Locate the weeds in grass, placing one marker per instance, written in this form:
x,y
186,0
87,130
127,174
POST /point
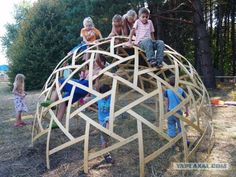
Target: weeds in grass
x,y
234,137
234,95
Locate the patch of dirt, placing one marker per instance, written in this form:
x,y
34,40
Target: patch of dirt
x,y
19,158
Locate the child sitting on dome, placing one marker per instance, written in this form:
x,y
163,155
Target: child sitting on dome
x,y
144,31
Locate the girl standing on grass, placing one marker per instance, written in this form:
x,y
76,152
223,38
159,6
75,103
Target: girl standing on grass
x,y
19,95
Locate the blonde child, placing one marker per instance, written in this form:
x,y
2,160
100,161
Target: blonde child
x,y
19,95
128,21
89,33
144,30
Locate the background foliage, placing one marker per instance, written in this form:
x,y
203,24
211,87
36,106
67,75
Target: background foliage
x,y
44,32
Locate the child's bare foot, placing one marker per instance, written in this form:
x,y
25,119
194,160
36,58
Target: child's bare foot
x,y
19,124
23,123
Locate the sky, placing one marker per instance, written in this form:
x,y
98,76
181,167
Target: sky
x,y
6,14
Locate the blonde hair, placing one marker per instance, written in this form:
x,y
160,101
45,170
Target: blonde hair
x,y
88,20
19,83
131,13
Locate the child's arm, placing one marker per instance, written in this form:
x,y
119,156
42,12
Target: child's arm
x,y
112,33
82,35
98,33
99,61
186,111
100,36
166,104
152,36
132,32
15,92
166,101
84,39
125,30
186,106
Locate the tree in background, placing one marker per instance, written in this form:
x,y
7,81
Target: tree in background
x,y
47,32
202,45
50,28
43,38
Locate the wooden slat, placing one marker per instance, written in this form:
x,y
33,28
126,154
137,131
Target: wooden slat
x,y
113,147
149,124
162,149
141,148
86,147
67,144
112,105
101,128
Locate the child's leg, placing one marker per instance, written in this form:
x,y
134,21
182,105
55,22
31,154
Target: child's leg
x,y
171,126
61,111
178,121
103,136
107,125
19,122
54,96
18,117
85,57
147,46
178,125
103,141
159,46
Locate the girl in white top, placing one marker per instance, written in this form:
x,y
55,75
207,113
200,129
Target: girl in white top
x,y
19,95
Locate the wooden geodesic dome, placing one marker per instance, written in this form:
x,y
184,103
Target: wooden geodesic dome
x,y
137,93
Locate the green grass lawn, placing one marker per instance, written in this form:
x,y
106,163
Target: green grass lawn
x,y
4,89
